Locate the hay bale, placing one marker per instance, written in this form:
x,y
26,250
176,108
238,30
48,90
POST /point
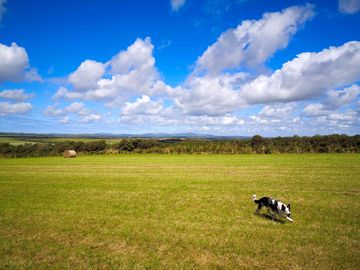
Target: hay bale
x,y
69,154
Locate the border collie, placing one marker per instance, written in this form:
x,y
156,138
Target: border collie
x,y
276,207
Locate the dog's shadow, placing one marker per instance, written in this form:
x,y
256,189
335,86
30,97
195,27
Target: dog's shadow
x,y
269,217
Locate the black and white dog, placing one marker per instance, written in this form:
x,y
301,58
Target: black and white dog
x,y
276,207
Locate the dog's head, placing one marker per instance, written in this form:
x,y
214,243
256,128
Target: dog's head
x,y
286,209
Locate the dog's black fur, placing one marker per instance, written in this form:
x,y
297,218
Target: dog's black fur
x,y
275,206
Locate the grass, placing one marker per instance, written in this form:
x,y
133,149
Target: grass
x,y
179,212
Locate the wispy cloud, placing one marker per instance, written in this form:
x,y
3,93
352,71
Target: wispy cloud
x,y
349,6
2,8
177,4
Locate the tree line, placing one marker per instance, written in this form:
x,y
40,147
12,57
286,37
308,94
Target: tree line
x,y
255,145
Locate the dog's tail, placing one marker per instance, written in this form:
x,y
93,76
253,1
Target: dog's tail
x,y
254,198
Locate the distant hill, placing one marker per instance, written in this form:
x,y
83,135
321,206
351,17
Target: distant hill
x,y
115,136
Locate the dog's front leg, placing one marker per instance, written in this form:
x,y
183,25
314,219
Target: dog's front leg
x,y
258,210
290,219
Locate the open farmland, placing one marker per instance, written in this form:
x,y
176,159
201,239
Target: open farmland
x,y
179,211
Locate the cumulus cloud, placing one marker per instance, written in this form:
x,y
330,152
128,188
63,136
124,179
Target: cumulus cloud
x,y
210,95
349,6
177,4
7,108
332,120
77,109
307,76
143,105
334,101
138,56
94,117
337,98
253,41
14,64
13,61
315,109
53,110
278,111
130,72
86,76
16,94
63,92
339,110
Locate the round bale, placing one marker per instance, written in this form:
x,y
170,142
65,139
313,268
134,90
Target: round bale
x,y
69,153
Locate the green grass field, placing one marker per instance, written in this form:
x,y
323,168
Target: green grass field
x,y
179,212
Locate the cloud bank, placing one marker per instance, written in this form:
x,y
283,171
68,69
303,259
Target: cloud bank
x,y
224,83
226,91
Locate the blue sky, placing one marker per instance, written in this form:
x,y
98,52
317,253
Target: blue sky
x,y
227,67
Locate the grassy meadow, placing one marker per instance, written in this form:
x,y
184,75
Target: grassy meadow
x,y
179,212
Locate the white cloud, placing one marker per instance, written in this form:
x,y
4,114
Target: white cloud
x,y
143,105
32,75
7,108
13,61
62,92
334,121
131,72
138,56
177,4
307,76
275,116
78,108
336,99
253,42
349,6
206,121
16,94
315,109
170,118
94,117
14,64
347,116
86,76
52,110
64,120
278,111
210,95
2,8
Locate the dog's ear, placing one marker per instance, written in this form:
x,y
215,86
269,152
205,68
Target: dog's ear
x,y
288,206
